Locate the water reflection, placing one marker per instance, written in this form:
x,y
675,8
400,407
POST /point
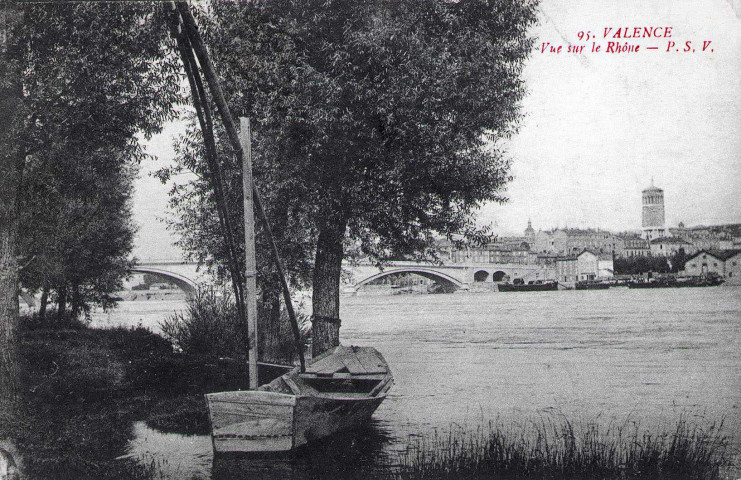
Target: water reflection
x,y
171,455
357,454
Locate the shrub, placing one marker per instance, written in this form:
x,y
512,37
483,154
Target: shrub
x,y
50,321
209,325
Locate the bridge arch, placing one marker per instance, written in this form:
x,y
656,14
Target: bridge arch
x,y
184,283
498,276
480,276
444,279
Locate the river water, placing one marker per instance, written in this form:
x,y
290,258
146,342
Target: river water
x,y
462,360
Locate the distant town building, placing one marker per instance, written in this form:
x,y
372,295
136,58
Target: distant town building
x,y
513,250
593,265
570,241
717,237
725,263
606,266
586,265
653,213
529,231
670,246
634,246
519,254
567,269
571,254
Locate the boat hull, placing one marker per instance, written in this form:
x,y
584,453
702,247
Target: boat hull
x,y
259,421
592,286
339,390
539,287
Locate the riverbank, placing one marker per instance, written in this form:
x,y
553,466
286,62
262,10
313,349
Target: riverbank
x,y
84,389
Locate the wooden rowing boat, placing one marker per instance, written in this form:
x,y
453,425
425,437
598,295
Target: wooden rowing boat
x,y
339,390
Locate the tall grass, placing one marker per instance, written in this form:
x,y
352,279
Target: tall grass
x,y
547,449
210,325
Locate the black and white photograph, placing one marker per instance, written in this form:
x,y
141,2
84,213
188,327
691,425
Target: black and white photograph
x,y
376,239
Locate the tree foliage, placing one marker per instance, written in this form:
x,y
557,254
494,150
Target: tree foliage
x,y
377,123
96,77
389,112
640,264
77,228
643,264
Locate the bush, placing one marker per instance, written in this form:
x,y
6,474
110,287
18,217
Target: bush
x,y
209,325
50,321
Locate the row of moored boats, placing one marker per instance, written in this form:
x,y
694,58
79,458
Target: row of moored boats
x,y
519,285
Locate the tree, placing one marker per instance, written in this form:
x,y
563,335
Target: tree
x,y
11,171
641,264
79,180
77,227
379,122
201,233
678,260
78,82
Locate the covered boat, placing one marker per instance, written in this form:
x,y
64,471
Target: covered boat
x,y
339,390
591,285
531,286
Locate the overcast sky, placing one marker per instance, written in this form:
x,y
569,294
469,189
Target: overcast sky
x,y
597,127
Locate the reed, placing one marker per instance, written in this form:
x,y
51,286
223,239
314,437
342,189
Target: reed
x,y
209,325
560,449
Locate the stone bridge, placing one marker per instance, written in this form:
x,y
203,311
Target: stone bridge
x,y
183,274
451,276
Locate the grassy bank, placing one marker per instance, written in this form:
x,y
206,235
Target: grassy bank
x,y
560,449
82,388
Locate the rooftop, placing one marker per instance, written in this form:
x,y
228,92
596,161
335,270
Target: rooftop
x,y
652,188
669,240
719,254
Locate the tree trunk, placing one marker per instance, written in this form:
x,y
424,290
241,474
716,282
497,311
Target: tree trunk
x,y
326,286
8,302
12,161
61,303
76,301
268,325
44,301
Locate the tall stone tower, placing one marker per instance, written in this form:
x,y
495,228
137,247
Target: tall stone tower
x,y
653,213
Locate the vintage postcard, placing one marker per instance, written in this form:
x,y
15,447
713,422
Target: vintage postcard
x,y
374,239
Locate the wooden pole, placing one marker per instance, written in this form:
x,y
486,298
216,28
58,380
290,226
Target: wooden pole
x,y
191,29
250,271
203,111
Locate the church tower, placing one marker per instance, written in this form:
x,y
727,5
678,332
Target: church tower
x,y
653,213
529,231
